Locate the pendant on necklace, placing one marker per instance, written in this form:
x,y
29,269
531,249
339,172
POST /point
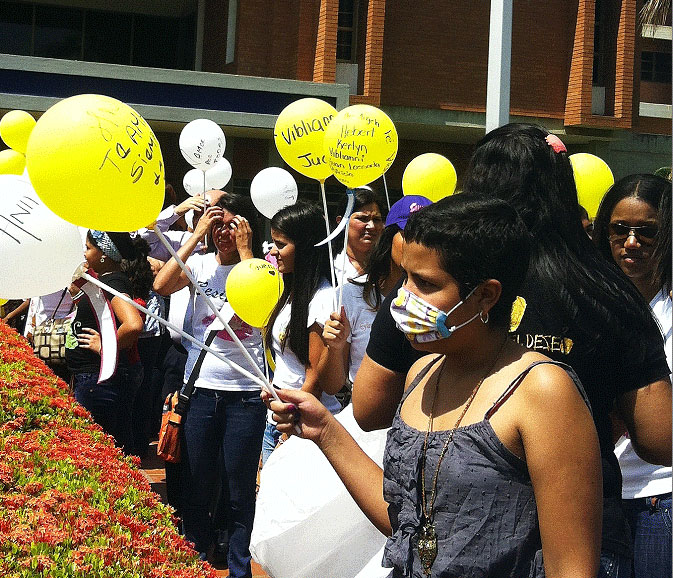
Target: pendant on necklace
x,y
427,545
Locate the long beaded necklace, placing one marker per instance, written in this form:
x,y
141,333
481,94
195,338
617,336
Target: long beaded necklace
x,y
427,537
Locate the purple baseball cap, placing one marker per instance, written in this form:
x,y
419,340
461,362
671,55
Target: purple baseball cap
x,y
402,209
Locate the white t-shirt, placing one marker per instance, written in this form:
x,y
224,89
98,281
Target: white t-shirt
x,y
641,479
215,374
349,272
290,372
360,316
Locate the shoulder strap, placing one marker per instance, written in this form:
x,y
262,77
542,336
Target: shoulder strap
x,y
516,382
187,391
419,376
59,304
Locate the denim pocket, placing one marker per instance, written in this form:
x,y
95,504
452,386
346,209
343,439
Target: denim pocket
x,y
664,510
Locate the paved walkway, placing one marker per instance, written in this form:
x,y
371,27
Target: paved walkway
x,y
154,471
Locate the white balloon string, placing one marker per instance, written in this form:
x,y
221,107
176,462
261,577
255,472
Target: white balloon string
x,y
343,264
168,324
329,244
205,239
385,187
211,305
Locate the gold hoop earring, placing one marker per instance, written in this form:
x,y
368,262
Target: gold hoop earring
x,y
483,317
102,259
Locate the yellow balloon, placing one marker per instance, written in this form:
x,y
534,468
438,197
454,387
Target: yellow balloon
x,y
2,301
253,289
360,145
299,133
593,178
15,128
95,162
429,175
12,162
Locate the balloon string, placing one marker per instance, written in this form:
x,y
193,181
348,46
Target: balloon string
x,y
205,239
329,244
343,264
211,305
168,324
385,186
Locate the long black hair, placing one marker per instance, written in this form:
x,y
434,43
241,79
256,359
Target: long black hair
x,y
304,224
138,270
651,189
589,295
477,238
378,265
661,256
241,205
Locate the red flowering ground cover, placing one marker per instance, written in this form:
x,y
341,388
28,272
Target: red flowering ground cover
x,y
71,505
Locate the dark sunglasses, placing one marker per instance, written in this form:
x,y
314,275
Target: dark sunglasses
x,y
621,231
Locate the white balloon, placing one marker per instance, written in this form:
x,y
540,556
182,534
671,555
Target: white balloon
x,y
218,175
272,189
202,143
215,177
39,251
194,182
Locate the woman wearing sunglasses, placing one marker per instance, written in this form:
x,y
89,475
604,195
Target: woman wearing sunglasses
x,y
628,230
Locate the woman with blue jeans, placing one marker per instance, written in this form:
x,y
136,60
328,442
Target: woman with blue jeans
x,y
633,229
105,400
226,416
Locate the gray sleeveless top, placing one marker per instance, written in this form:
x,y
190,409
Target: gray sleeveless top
x,y
485,514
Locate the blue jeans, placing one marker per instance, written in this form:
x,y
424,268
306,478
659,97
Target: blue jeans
x,y
614,565
271,437
650,522
228,424
102,400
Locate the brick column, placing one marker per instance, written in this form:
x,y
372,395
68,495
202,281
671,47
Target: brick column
x,y
578,98
324,68
624,67
376,16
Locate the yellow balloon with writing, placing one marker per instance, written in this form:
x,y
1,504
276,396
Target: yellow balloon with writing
x,y
299,133
95,162
360,145
253,288
593,178
15,128
12,162
429,175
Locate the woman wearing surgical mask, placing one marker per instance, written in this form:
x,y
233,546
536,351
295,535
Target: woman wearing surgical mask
x,y
477,461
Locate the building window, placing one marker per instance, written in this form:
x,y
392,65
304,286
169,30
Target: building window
x,y
347,31
97,36
655,67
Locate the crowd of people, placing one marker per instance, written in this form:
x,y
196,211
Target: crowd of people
x,y
520,359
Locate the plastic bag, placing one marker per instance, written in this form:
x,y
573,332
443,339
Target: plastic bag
x,y
306,523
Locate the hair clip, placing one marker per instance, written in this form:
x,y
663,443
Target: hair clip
x,y
556,143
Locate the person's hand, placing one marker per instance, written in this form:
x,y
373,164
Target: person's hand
x,y
89,339
336,330
197,203
212,215
155,265
242,236
299,408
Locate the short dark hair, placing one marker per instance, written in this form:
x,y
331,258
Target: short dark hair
x,y
477,238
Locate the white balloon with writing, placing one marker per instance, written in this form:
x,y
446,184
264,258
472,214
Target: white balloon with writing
x,y
272,189
39,251
202,143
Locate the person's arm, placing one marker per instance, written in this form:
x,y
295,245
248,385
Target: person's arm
x,y
129,327
377,392
333,366
316,348
562,453
17,312
646,411
362,477
171,277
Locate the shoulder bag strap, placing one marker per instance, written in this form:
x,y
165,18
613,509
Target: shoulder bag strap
x,y
188,390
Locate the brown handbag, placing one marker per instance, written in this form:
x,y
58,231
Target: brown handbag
x,y
175,408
